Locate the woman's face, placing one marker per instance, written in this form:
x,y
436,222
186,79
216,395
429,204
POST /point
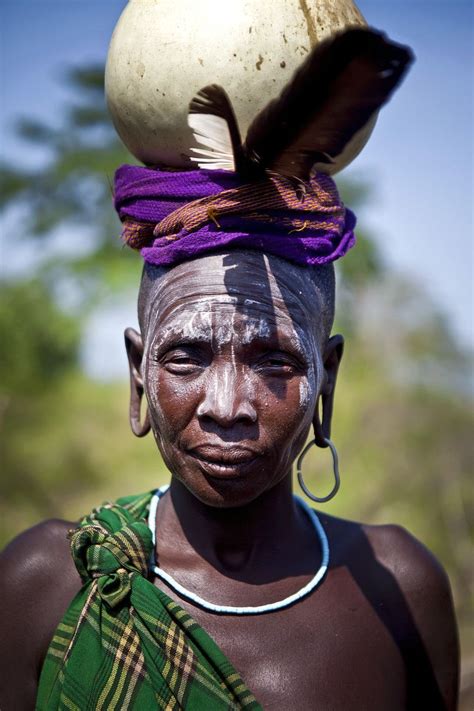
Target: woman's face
x,y
231,369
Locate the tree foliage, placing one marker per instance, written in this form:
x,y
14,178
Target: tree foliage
x,y
39,341
73,188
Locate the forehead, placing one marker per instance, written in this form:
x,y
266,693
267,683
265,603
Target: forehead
x,y
238,288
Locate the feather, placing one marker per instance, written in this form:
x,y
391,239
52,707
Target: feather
x,y
213,133
214,125
332,97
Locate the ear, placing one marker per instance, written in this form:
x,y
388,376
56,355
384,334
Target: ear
x,y
331,360
134,346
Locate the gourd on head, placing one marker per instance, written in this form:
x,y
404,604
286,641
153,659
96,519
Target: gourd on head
x,y
163,52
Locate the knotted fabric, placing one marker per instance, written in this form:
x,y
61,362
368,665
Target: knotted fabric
x,y
175,216
123,643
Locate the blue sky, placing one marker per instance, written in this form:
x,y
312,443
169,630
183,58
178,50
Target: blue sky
x,y
419,159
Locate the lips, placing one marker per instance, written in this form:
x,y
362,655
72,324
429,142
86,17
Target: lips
x,y
223,462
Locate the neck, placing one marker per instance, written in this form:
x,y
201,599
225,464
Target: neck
x,y
232,538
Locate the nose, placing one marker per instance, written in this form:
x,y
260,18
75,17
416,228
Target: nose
x,y
226,399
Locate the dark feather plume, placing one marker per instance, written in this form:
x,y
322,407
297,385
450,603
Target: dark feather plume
x,y
335,93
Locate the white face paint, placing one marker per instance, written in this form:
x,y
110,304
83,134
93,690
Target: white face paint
x,y
200,307
304,393
255,328
209,325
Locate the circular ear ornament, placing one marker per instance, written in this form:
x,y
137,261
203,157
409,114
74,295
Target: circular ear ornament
x,y
163,52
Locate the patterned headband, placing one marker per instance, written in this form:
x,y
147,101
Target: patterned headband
x,y
172,217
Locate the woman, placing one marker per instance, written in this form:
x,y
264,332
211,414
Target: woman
x,y
236,361
224,591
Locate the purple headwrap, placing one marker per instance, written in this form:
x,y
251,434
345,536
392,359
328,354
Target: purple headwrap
x,y
174,216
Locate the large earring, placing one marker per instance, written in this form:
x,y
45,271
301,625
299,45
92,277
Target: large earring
x,y
139,429
335,462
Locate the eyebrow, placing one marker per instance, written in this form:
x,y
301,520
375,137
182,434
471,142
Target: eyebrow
x,y
283,343
174,340
286,343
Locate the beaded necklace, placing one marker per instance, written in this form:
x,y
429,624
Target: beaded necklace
x,y
229,609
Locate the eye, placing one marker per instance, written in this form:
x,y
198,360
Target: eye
x,y
279,365
183,361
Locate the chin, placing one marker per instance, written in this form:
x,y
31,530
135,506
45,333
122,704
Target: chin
x,y
225,484
227,491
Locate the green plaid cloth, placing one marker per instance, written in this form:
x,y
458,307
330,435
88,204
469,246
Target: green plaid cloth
x,y
124,644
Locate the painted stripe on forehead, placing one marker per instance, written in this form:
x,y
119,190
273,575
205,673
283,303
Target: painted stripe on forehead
x,y
219,328
243,280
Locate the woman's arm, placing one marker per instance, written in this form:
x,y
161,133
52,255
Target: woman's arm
x,y
38,580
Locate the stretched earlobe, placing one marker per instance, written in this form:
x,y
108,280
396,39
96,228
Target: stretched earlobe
x,y
325,402
134,346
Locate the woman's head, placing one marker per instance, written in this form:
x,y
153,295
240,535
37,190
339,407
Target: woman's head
x,y
233,356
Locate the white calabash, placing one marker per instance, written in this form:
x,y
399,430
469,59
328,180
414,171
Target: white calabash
x,y
163,51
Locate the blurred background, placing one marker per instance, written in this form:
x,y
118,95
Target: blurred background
x,y
403,419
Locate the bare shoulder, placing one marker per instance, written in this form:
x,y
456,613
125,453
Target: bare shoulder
x,y
408,589
38,580
417,571
410,563
426,587
420,593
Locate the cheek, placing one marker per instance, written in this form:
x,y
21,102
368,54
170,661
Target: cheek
x,y
310,383
288,409
172,401
309,388
306,392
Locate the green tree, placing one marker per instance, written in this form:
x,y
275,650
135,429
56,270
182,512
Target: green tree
x,y
39,351
39,341
74,189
